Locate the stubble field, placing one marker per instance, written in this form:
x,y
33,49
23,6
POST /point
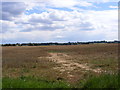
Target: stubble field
x,y
72,64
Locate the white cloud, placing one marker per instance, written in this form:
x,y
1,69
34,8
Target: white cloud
x,y
114,7
58,25
84,3
68,3
8,26
46,0
57,4
62,3
106,22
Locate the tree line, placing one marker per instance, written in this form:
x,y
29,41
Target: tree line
x,y
68,43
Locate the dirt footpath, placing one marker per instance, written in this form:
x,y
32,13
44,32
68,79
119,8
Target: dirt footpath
x,y
66,64
70,65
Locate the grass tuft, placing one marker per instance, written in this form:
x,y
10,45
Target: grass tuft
x,y
102,81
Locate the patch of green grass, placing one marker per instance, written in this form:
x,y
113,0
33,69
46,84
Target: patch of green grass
x,y
56,51
30,82
0,83
102,81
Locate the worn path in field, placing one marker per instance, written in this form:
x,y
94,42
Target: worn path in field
x,y
69,65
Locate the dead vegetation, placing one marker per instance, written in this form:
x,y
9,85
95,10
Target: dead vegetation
x,y
70,63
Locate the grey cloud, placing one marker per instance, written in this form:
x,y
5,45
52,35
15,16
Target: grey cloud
x,y
55,17
46,19
12,9
50,27
42,28
40,19
86,26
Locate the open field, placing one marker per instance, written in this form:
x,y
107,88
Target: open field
x,y
67,65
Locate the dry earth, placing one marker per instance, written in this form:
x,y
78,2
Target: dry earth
x,y
67,65
71,63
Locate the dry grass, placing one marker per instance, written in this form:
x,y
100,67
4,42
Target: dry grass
x,y
34,60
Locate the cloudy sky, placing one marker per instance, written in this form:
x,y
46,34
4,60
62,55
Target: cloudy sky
x,y
59,21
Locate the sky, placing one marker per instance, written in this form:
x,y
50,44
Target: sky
x,y
58,21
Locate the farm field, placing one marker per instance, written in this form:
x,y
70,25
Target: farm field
x,y
60,66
